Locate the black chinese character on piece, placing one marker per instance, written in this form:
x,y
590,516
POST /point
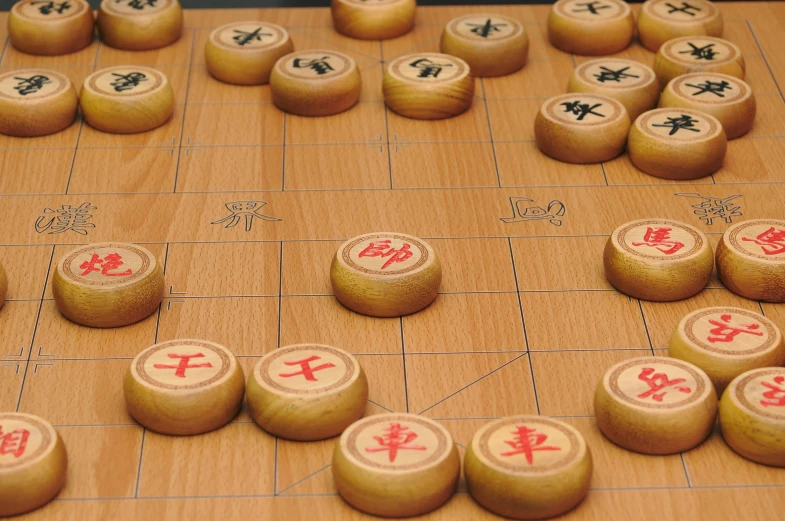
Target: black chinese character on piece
x,y
485,30
428,68
685,8
714,87
319,65
591,7
521,211
138,4
684,122
47,8
582,109
31,85
607,74
127,81
701,53
67,218
244,37
244,209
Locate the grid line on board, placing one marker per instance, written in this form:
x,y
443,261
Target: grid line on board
x,y
81,125
35,330
185,111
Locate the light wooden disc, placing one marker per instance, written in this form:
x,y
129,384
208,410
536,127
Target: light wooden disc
x,y
752,415
655,405
108,284
581,128
428,86
385,274
307,392
33,463
50,28
127,99
631,83
658,259
396,465
677,143
698,54
492,45
36,102
377,20
726,342
663,20
140,25
728,99
184,387
3,285
751,259
528,467
244,53
315,82
591,28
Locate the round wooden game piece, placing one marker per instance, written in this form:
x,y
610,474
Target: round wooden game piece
x,y
698,54
36,102
528,467
307,392
139,25
378,20
51,28
726,341
677,143
385,274
428,86
492,45
655,405
591,28
3,285
396,465
631,83
663,20
724,97
33,463
581,128
127,99
752,415
751,259
658,260
184,387
728,99
315,83
108,284
244,53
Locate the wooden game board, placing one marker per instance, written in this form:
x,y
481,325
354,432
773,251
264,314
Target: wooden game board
x,y
246,205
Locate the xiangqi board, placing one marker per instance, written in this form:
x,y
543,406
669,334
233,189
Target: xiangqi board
x,y
245,207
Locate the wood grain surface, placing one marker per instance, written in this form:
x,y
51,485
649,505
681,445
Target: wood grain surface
x,y
245,206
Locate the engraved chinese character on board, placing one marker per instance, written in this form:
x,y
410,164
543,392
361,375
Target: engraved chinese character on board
x,y
67,218
244,210
522,211
710,208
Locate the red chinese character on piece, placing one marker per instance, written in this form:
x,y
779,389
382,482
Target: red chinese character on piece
x,y
660,239
14,442
305,368
384,249
658,382
774,392
726,333
111,262
526,441
772,241
183,365
397,438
